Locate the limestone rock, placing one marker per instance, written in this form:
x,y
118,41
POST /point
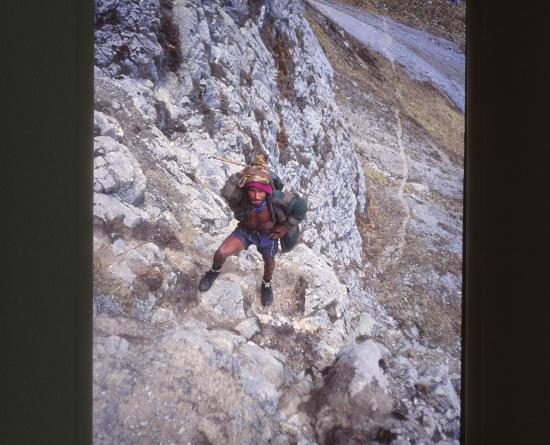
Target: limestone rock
x,y
248,328
365,325
225,298
365,359
320,283
355,393
122,46
281,439
110,208
116,171
163,316
146,395
262,375
113,345
105,125
436,387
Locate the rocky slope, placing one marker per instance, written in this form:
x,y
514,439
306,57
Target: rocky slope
x,y
352,351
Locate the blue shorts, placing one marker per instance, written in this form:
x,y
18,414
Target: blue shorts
x,y
268,248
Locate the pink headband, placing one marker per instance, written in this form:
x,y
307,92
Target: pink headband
x,y
258,185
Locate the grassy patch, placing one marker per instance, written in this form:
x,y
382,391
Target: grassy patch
x,y
431,111
375,176
298,346
424,109
157,232
108,285
444,18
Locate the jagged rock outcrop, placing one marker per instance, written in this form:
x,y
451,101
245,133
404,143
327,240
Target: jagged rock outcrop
x,y
268,89
178,82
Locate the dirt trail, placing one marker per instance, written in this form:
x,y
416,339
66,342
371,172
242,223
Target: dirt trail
x,y
425,57
393,253
412,232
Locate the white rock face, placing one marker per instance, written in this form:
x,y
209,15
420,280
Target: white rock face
x,y
187,367
262,375
248,328
225,298
116,171
163,316
105,125
364,358
366,325
113,345
320,283
109,208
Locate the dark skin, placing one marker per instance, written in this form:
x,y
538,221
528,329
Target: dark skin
x,y
259,222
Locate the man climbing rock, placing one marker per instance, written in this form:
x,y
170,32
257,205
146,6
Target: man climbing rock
x,y
266,216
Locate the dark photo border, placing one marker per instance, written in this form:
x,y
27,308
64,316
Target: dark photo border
x,y
46,326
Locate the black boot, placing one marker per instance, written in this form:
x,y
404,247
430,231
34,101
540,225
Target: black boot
x,y
267,293
208,279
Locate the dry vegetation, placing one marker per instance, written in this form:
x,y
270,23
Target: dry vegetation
x,y
424,107
444,18
427,114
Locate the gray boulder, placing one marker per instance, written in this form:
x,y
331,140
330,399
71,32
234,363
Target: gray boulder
x,y
225,298
116,171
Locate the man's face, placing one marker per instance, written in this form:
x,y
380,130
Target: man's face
x,y
255,196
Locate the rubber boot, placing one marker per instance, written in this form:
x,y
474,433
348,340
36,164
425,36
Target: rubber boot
x,y
208,279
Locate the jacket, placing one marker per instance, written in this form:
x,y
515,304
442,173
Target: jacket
x,y
285,208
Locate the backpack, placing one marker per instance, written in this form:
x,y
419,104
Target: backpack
x,y
289,241
299,205
232,191
256,173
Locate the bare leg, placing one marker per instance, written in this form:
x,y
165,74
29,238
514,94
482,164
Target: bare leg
x,y
269,267
230,246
